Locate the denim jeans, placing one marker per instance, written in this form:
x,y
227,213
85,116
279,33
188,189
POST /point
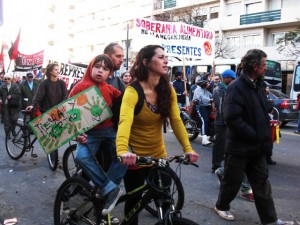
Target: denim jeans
x,y
86,158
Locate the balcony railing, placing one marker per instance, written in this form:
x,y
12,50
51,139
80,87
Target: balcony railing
x,y
260,17
169,4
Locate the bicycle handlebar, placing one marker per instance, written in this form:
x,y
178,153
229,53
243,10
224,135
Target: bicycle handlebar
x,y
149,160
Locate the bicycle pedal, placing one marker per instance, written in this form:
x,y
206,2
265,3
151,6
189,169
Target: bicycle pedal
x,y
33,155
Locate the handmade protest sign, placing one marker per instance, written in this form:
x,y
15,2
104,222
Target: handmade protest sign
x,y
69,119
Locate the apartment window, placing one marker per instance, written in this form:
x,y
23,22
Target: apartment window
x,y
252,41
169,4
234,8
276,37
214,12
233,41
275,4
202,15
254,7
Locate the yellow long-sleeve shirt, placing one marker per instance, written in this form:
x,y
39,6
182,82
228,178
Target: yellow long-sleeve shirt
x,y
143,132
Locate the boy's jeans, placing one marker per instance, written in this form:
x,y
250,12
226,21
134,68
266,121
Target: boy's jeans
x,y
106,181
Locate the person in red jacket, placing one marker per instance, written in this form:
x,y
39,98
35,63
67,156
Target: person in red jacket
x,y
108,183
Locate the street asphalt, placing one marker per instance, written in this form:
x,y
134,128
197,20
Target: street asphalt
x,y
28,186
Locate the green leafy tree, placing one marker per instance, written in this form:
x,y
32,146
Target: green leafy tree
x,y
289,44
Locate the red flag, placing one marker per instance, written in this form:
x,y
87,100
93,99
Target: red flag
x,y
14,50
2,58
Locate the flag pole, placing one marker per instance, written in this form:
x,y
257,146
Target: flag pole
x,y
8,66
187,101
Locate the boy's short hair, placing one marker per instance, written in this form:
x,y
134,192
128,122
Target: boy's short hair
x,y
106,60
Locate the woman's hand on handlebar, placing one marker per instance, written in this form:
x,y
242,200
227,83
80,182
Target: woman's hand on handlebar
x,y
193,156
128,158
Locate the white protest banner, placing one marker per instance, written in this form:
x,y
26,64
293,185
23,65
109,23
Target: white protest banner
x,y
70,118
178,39
70,73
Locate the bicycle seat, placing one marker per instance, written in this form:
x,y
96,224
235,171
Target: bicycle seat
x,y
25,111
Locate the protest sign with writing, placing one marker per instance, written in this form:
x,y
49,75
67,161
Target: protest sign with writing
x,y
178,39
70,118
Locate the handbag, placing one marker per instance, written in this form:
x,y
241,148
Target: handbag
x,y
14,103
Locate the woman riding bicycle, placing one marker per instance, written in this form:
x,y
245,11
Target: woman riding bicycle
x,y
141,134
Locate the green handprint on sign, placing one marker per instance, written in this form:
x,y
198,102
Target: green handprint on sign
x,y
74,120
96,108
51,139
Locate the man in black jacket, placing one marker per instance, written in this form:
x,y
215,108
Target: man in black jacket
x,y
181,90
248,140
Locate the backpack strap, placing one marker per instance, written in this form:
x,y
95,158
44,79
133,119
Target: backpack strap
x,y
141,97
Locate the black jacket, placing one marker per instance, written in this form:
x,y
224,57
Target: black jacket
x,y
245,114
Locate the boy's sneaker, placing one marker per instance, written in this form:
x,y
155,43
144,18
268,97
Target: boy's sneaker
x,y
248,197
111,200
113,221
297,132
280,222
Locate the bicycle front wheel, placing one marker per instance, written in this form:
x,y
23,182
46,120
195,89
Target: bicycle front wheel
x,y
179,221
15,142
52,159
73,203
176,191
191,128
70,166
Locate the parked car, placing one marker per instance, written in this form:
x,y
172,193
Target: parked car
x,y
285,106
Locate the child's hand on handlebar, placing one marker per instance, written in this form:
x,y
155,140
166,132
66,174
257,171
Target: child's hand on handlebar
x,y
128,158
193,156
82,138
29,108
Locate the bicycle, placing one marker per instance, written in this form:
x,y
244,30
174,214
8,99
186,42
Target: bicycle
x,y
75,201
193,123
71,169
18,141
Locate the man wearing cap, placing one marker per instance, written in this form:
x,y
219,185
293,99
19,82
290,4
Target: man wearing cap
x,y
220,128
204,99
9,92
220,135
28,89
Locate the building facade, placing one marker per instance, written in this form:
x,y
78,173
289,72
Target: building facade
x,y
86,26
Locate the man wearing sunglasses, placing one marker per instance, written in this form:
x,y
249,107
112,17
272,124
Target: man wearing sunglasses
x,y
9,92
28,89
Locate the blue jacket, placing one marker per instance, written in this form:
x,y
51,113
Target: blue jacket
x,y
179,88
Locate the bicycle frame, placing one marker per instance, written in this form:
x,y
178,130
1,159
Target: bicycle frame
x,y
160,197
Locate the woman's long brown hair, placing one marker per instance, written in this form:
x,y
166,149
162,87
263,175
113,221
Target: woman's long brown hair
x,y
140,72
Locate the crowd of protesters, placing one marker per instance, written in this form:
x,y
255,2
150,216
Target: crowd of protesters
x,y
244,141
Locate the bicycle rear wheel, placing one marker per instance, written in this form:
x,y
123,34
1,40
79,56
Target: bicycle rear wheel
x,y
70,166
176,190
15,142
179,221
52,159
74,204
